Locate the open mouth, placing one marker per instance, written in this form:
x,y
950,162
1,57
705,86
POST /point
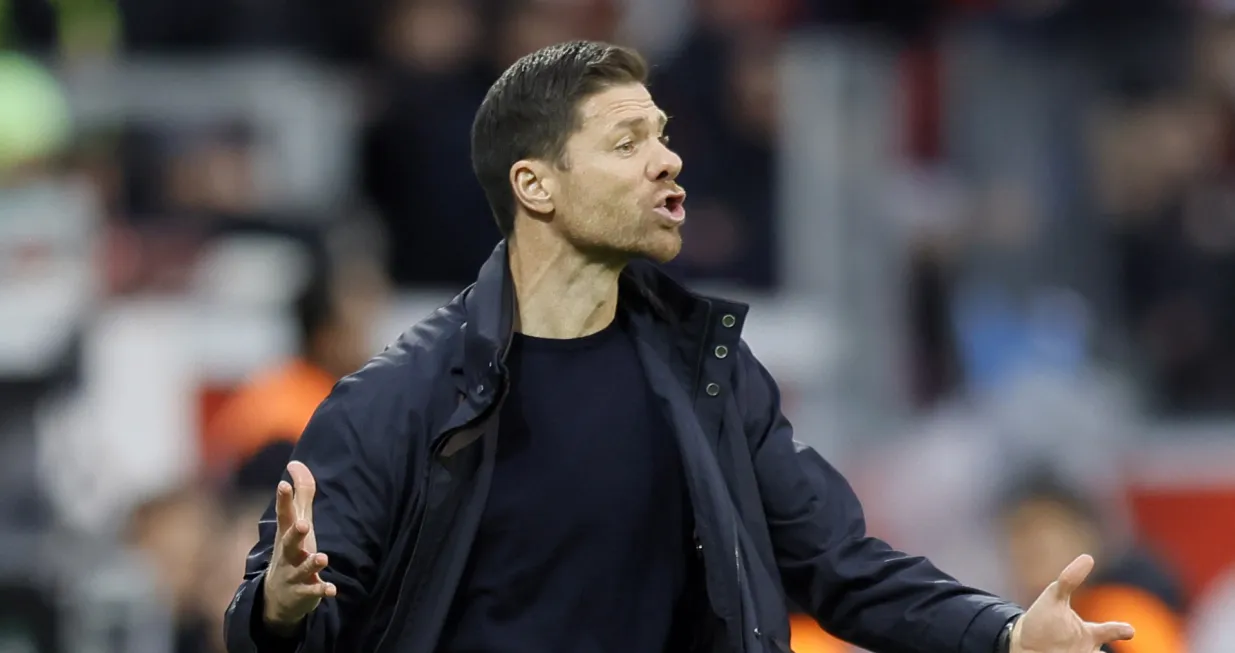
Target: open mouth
x,y
672,206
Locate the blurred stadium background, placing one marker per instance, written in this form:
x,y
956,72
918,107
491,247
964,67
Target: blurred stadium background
x,y
989,245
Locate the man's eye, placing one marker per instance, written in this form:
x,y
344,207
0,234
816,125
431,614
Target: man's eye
x,y
626,148
664,139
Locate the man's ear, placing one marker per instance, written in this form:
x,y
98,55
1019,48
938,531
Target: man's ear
x,y
534,184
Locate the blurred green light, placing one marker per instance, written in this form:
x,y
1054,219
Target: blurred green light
x,y
34,114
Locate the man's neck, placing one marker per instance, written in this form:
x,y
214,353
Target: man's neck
x,y
561,292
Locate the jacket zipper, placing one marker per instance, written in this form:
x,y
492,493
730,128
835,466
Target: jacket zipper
x,y
742,590
428,498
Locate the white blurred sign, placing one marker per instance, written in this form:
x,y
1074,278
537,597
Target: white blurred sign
x,y
46,272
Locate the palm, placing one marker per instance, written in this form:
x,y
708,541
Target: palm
x,y
293,586
1051,626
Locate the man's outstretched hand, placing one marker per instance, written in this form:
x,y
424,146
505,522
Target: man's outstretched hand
x,y
1050,625
293,587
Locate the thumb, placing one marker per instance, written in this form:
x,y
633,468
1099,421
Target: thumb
x,y
1072,576
305,487
1110,632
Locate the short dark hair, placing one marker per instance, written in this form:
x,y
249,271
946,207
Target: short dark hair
x,y
255,479
314,307
1042,483
532,109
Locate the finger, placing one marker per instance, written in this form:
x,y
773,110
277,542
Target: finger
x,y
319,590
293,542
305,486
307,571
1072,576
1111,631
284,511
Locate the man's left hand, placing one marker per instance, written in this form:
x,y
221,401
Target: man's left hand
x,y
1050,625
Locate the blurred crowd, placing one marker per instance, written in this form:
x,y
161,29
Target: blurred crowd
x,y
420,68
1101,217
1063,168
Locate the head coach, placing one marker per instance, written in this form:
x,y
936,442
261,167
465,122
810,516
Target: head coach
x,y
579,455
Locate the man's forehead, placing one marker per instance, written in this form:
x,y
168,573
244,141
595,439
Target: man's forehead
x,y
621,104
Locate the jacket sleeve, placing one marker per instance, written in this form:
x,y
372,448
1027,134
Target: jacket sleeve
x,y
856,586
356,480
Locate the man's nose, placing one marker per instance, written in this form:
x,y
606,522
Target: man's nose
x,y
668,166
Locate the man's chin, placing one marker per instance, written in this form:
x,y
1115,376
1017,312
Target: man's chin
x,y
664,250
660,248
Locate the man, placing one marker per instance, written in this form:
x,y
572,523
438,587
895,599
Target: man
x,y
1045,522
170,532
577,454
243,499
333,314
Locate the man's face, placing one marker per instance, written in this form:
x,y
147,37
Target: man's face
x,y
1040,539
172,537
226,558
617,194
346,343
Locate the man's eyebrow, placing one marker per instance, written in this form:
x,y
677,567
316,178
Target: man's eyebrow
x,y
661,120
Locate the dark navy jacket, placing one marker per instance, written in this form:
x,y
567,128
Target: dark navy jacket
x,y
403,453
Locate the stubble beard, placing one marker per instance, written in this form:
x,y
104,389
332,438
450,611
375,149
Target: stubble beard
x,y
638,234
617,232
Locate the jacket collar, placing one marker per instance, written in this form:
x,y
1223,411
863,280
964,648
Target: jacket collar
x,y
647,293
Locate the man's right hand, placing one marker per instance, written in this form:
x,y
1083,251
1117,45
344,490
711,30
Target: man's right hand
x,y
293,587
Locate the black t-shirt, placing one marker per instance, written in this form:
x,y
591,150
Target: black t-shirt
x,y
586,537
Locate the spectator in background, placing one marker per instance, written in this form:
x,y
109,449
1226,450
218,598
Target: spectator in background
x,y
244,500
334,31
1168,203
1044,521
415,159
171,531
1212,627
807,637
724,79
334,314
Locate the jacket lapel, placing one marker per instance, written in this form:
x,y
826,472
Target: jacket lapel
x,y
715,517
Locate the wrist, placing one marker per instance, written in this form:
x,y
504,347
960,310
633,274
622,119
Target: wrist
x,y
273,621
1007,636
280,628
